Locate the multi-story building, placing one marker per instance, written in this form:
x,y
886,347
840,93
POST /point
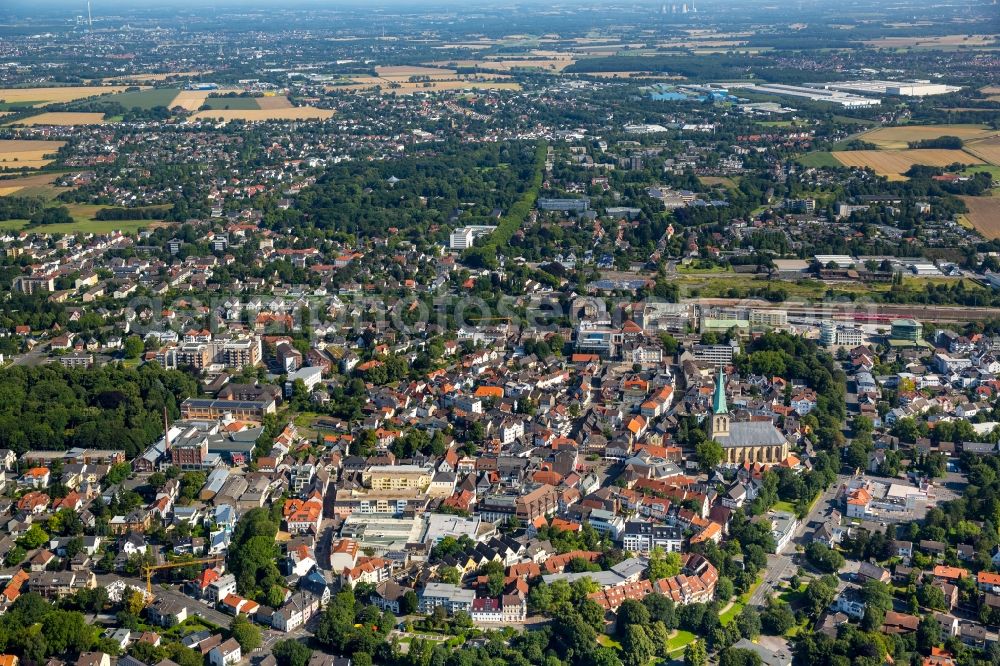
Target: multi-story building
x,y
242,352
397,477
642,537
465,237
408,501
242,410
451,597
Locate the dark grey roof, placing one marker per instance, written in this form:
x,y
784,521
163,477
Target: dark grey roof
x,y
751,433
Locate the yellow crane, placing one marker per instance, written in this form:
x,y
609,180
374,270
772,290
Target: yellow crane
x,y
150,568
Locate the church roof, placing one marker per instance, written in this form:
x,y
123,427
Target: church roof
x,y
751,433
719,397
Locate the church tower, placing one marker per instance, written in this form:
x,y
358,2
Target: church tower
x,y
720,411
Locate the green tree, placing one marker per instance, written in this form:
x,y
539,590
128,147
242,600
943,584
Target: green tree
x,y
408,604
708,454
695,654
632,612
134,347
663,565
637,647
246,633
749,623
777,618
290,652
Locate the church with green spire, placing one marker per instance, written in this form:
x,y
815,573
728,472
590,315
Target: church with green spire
x,y
744,441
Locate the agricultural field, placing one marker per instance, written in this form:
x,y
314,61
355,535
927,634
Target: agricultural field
x,y
146,99
718,180
275,102
258,115
898,138
62,118
929,42
511,63
406,71
659,76
42,96
987,150
84,222
15,154
236,103
35,185
894,163
818,159
153,78
402,86
192,100
984,215
396,80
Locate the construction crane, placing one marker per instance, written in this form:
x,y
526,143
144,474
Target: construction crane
x,y
150,568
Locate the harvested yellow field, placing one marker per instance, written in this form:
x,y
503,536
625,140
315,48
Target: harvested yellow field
x,y
35,185
634,75
17,154
63,118
435,86
275,102
409,87
931,42
407,71
550,64
986,149
43,96
894,163
192,100
984,215
153,78
899,137
259,115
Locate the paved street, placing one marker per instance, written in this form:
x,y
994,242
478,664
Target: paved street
x,y
782,566
37,356
194,606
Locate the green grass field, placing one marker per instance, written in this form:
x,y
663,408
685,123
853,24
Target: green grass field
x,y
730,614
994,172
83,226
145,99
818,159
782,505
234,103
680,641
15,106
83,216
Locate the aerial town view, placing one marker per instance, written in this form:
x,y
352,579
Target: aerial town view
x,y
499,333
